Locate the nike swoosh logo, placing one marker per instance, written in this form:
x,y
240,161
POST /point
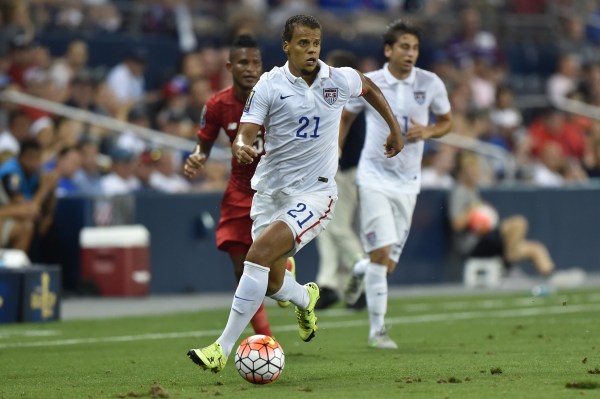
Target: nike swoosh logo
x,y
281,97
243,299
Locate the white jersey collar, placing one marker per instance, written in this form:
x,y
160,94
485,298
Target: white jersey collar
x,y
324,72
392,80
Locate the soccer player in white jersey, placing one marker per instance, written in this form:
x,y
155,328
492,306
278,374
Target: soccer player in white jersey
x,y
388,188
300,105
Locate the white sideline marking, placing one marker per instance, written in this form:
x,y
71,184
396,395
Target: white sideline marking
x,y
29,333
440,317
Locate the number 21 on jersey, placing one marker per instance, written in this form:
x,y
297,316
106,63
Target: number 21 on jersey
x,y
309,127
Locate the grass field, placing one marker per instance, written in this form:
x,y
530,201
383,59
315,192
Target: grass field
x,y
467,346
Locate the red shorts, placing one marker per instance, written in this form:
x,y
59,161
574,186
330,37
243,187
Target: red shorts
x,y
234,232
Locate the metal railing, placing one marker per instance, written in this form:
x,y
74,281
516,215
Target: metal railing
x,y
220,154
113,125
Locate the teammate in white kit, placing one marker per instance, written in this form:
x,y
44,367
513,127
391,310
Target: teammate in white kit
x,y
388,188
300,105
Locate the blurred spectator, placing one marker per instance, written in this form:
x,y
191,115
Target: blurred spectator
x,y
16,23
483,86
165,177
460,101
18,129
592,168
68,132
507,239
565,79
37,83
74,63
505,116
70,15
547,170
128,139
554,169
438,163
121,180
592,23
572,40
103,16
126,79
146,167
67,164
20,58
471,41
17,216
36,188
589,85
176,123
199,94
82,92
214,67
212,177
553,126
40,56
43,130
107,103
89,177
159,17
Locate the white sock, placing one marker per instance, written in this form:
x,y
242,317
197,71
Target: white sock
x,y
360,267
248,297
376,290
292,291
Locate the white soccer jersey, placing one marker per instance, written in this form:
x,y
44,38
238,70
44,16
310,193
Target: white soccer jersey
x,y
301,127
412,98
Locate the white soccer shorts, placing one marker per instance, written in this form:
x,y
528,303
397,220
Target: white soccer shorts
x,y
385,220
305,214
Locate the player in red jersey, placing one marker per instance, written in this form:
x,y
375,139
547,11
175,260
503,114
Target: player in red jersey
x,y
223,111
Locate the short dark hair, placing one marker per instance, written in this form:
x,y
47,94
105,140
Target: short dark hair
x,y
29,144
398,28
244,41
298,20
342,58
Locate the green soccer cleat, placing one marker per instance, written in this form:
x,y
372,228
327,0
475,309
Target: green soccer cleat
x,y
307,320
290,265
210,358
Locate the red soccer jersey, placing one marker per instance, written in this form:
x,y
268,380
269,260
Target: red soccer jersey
x,y
224,110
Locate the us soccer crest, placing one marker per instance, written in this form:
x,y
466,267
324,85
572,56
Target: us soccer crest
x,y
372,238
330,95
419,97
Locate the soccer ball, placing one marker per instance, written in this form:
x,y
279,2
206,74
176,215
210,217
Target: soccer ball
x,y
483,219
259,359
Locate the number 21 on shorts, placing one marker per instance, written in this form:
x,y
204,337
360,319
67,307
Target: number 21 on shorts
x,y
300,214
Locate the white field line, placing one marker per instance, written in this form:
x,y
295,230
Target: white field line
x,y
440,317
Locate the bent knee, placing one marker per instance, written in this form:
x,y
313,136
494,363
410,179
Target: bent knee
x,y
381,256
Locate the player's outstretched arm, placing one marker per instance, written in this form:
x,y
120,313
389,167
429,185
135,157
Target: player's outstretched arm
x,y
196,160
242,148
394,143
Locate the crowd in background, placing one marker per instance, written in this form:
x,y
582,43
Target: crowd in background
x,y
491,101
